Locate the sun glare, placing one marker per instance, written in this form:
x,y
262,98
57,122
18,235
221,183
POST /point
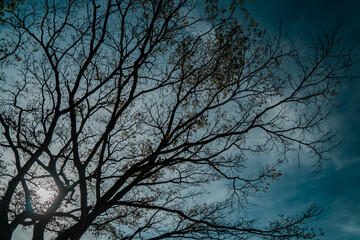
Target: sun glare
x,y
44,194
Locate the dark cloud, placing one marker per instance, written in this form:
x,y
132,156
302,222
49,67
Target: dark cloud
x,y
307,17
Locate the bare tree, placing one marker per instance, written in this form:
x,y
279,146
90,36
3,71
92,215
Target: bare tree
x,y
124,112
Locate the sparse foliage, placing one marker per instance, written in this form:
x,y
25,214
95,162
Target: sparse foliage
x,y
123,113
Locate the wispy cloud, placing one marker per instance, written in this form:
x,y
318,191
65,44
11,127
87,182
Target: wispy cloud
x,y
351,228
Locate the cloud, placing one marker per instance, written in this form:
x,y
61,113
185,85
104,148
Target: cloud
x,y
351,228
340,219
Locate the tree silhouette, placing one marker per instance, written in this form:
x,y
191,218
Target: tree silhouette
x,y
117,116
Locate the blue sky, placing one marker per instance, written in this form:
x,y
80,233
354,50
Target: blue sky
x,y
336,188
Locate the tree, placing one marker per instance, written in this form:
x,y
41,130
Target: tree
x,y
8,5
124,112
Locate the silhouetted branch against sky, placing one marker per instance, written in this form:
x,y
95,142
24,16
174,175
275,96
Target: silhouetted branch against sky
x,y
117,116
